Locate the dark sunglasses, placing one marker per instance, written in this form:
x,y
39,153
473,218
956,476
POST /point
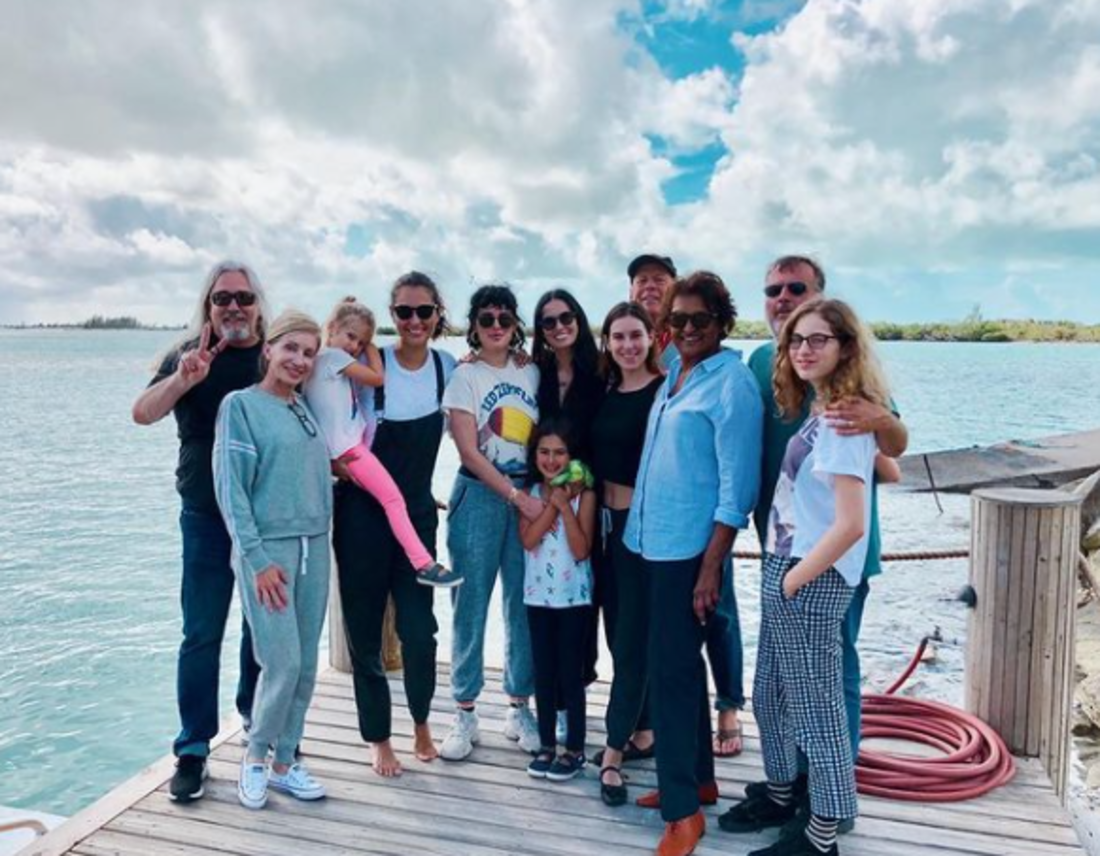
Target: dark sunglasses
x,y
224,298
424,312
303,418
699,320
797,289
505,320
566,319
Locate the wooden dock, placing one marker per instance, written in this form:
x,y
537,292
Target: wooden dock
x,y
488,806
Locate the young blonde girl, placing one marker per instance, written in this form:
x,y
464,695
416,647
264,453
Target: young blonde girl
x,y
333,397
557,591
814,555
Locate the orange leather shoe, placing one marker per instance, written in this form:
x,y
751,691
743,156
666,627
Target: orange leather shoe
x,y
708,795
681,836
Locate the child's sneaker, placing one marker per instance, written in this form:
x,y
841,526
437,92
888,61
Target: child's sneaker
x,y
566,766
464,734
297,782
519,725
542,764
439,576
252,784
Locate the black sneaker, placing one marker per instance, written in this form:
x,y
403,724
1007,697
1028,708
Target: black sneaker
x,y
755,813
186,784
798,845
566,766
539,767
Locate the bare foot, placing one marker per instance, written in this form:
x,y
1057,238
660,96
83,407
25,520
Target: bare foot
x,y
423,746
727,739
385,763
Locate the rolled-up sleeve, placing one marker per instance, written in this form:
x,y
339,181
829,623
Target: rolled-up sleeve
x,y
738,441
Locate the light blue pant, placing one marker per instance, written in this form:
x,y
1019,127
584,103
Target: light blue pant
x,y
285,643
483,538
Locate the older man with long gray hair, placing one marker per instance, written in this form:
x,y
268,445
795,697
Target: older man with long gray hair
x,y
219,353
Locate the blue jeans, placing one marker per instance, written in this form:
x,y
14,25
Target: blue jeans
x,y
206,591
483,539
849,634
724,651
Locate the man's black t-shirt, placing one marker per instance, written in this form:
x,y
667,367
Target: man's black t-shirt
x,y
196,413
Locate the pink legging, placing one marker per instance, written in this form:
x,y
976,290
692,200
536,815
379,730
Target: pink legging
x,y
367,472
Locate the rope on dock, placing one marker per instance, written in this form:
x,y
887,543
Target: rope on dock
x,y
917,556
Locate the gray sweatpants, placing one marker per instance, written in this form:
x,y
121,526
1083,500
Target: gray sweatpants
x,y
285,643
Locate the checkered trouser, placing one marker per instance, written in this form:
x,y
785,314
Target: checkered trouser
x,y
798,694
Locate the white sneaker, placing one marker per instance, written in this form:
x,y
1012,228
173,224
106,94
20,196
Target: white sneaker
x,y
297,782
519,724
458,745
561,729
252,784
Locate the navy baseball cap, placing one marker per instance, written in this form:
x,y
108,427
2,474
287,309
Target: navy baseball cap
x,y
650,259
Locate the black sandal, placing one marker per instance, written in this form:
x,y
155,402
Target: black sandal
x,y
612,795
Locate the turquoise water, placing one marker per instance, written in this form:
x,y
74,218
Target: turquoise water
x,y
89,549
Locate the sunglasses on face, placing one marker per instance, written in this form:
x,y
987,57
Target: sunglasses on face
x,y
816,341
505,320
566,319
424,312
224,298
699,320
796,289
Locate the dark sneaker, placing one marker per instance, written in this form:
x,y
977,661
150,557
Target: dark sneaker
x,y
539,767
439,576
566,766
797,845
755,813
186,784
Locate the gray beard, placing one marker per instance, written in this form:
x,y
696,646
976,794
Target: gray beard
x,y
235,333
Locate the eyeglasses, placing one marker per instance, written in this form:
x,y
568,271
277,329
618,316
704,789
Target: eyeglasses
x,y
303,418
505,320
699,320
816,341
796,289
566,319
424,312
224,298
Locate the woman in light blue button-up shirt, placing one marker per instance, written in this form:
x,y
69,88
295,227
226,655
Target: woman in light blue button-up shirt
x,y
696,488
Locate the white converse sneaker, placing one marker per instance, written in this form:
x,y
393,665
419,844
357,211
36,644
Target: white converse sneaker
x,y
297,782
519,724
252,784
458,745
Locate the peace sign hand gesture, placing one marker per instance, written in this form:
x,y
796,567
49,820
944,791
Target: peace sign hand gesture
x,y
194,365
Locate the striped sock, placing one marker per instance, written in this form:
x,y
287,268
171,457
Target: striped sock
x,y
821,833
781,794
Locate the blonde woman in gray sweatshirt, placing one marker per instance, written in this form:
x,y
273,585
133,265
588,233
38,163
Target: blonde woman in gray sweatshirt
x,y
272,482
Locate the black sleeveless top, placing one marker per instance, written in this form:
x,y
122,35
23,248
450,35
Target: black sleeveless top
x,y
618,433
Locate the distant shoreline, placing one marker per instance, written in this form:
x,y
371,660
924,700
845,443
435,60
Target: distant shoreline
x,y
973,329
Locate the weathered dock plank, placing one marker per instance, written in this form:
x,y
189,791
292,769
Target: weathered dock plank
x,y
488,806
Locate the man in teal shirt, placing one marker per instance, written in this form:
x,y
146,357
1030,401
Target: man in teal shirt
x,y
790,282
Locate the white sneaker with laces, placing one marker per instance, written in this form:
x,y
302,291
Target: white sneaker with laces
x,y
459,743
297,782
252,784
520,725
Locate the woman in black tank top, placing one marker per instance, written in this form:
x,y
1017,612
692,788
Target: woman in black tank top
x,y
629,360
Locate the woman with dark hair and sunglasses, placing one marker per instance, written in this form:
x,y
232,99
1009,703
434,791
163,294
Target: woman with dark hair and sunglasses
x,y
696,487
565,352
493,407
408,415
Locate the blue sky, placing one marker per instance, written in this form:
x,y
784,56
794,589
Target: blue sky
x,y
934,156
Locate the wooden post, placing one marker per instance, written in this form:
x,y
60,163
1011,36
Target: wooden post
x,y
1020,649
339,656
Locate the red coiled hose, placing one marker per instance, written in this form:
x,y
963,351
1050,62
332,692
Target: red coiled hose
x,y
975,759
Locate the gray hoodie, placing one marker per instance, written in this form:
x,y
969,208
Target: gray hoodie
x,y
271,473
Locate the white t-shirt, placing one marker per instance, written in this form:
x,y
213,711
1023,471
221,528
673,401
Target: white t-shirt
x,y
504,403
805,503
332,398
411,393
